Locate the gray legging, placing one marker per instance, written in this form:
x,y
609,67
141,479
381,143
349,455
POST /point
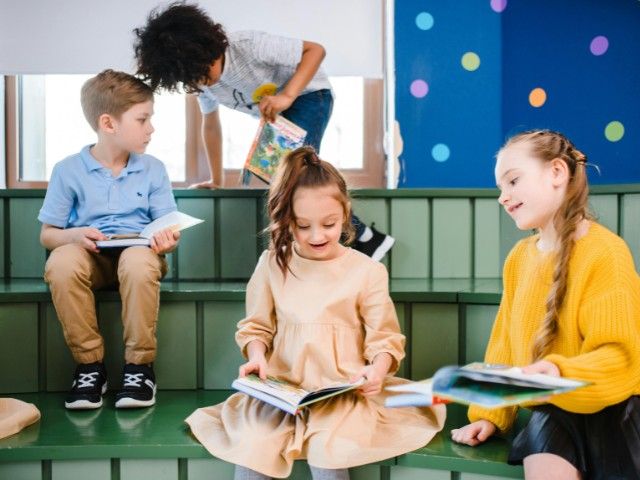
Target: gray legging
x,y
243,473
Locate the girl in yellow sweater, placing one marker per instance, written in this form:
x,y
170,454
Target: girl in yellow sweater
x,y
570,307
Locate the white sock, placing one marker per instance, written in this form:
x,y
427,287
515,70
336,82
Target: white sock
x,y
366,235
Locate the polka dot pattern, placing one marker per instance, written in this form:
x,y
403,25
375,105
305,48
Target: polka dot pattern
x,y
470,61
424,21
614,131
498,6
419,88
440,152
537,97
599,45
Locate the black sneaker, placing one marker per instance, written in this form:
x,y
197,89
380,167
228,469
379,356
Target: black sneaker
x,y
89,384
377,246
138,387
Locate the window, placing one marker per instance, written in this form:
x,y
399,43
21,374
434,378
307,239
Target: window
x,y
46,124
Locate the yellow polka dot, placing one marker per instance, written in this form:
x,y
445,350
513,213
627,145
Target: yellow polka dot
x,y
470,61
537,97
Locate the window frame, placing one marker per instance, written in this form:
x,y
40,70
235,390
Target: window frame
x,y
371,175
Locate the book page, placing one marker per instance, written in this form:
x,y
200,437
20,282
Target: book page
x,y
277,388
514,376
176,221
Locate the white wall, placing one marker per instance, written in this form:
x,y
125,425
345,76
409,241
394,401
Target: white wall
x,y
86,36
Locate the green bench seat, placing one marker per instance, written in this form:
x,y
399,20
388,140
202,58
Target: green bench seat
x,y
119,439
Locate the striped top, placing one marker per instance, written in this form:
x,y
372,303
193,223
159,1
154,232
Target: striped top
x,y
598,339
256,64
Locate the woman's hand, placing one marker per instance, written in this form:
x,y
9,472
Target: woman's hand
x,y
164,241
473,434
542,366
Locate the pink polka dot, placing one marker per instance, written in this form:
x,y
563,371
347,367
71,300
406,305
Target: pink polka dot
x,y
419,88
599,45
498,5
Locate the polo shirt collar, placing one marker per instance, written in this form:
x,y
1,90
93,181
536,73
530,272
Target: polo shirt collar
x,y
134,164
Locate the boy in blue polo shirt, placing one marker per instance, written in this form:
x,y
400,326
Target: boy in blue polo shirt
x,y
111,187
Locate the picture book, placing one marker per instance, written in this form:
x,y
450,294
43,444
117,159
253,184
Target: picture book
x,y
272,142
285,396
487,385
176,221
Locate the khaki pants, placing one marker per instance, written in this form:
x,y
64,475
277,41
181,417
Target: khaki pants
x,y
73,273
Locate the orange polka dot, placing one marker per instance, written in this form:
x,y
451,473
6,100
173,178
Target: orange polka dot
x,y
537,97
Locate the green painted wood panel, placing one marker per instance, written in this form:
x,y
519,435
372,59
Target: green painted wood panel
x,y
156,469
630,228
221,354
434,338
605,209
238,237
21,470
59,362
509,236
208,469
373,211
3,234
404,366
175,365
26,253
18,347
77,469
486,250
451,238
408,473
478,323
410,228
196,252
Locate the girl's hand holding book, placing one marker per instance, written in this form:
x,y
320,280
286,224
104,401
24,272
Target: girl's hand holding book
x,y
542,366
257,361
375,374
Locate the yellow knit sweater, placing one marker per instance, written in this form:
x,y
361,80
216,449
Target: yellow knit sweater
x,y
598,338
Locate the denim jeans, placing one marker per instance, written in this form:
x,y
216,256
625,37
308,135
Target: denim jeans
x,y
312,111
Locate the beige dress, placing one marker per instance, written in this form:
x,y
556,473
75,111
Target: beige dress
x,y
321,324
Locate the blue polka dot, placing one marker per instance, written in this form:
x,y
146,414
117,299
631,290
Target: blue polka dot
x,y
440,152
424,21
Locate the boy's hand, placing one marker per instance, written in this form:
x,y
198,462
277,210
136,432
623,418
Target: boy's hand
x,y
207,184
164,241
474,433
271,105
542,366
257,364
87,237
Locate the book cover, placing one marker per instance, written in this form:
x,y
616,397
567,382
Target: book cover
x,y
285,396
272,142
490,386
175,220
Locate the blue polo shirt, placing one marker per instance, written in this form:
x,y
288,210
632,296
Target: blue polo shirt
x,y
83,193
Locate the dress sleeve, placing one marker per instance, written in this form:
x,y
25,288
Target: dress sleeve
x,y
260,320
382,331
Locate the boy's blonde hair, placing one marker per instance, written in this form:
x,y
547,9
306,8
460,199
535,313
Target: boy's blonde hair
x,y
548,145
113,93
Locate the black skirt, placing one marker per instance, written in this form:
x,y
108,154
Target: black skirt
x,y
601,445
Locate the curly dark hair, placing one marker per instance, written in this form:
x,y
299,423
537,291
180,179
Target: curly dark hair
x,y
177,46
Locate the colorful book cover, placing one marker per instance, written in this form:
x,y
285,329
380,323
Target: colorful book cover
x,y
490,386
272,142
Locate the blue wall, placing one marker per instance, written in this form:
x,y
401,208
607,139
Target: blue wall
x,y
455,113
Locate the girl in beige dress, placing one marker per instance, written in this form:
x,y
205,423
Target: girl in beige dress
x,y
318,313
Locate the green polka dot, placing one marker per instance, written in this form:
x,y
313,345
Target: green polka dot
x,y
614,131
470,61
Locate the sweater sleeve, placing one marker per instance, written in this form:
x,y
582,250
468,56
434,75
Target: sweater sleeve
x,y
499,349
382,331
609,356
260,320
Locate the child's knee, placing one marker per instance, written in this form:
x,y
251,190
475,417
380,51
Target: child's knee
x,y
65,263
140,264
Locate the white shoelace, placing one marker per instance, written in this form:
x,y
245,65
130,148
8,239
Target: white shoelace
x,y
88,380
133,379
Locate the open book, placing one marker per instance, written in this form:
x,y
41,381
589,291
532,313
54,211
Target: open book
x,y
174,220
272,142
285,396
487,385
